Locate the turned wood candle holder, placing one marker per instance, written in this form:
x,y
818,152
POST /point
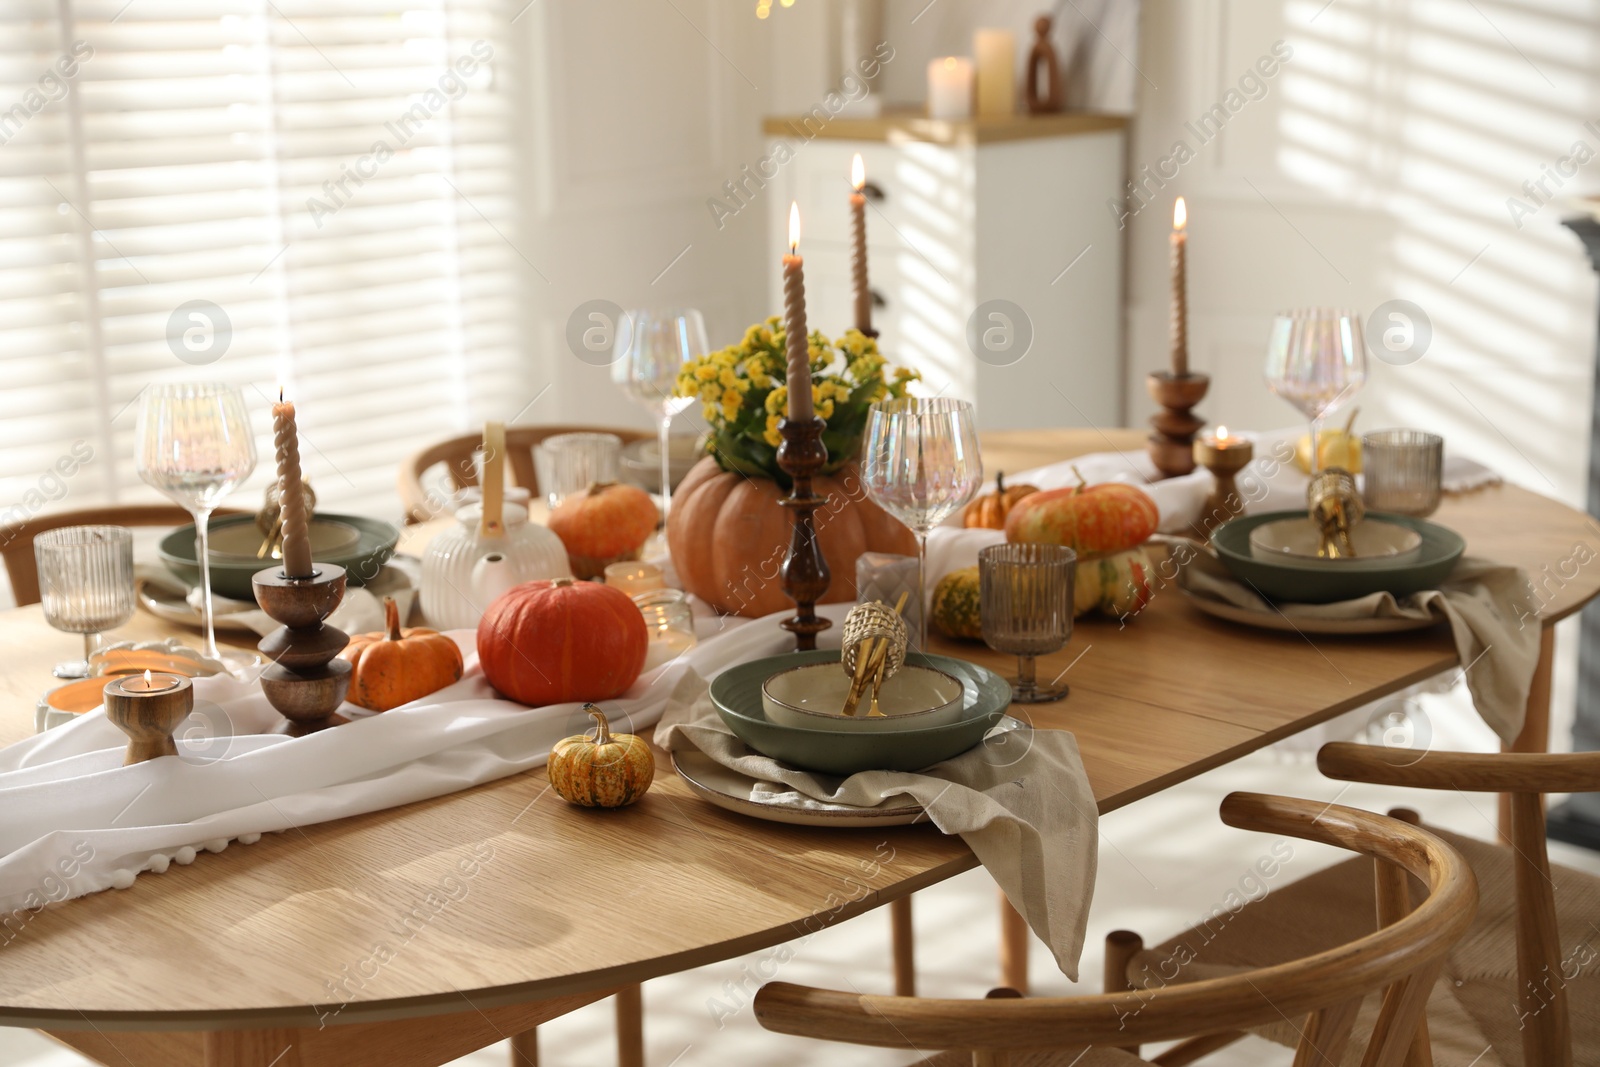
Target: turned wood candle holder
x,y
307,681
805,571
148,715
1171,446
1224,463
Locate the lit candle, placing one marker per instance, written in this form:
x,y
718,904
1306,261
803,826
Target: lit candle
x,y
1222,440
670,624
858,248
1179,327
291,496
794,309
634,577
996,51
150,683
950,88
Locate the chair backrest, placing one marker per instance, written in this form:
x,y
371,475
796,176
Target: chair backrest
x,y
1403,959
456,455
1526,777
16,539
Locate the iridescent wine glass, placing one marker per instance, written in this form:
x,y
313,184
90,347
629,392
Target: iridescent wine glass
x,y
1316,360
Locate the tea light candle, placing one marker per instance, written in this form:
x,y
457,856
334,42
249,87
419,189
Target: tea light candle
x,y
148,709
1223,439
670,623
634,577
950,88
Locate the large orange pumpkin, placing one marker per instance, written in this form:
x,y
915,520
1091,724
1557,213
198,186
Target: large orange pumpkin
x,y
560,641
728,536
395,666
1091,519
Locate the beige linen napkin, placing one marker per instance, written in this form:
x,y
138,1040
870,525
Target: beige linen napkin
x,y
1020,800
1489,606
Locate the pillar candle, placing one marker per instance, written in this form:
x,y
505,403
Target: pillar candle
x,y
858,247
950,88
1179,326
291,496
996,52
794,312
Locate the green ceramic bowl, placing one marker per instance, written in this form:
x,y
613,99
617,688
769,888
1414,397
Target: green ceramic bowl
x,y
1325,581
736,692
230,577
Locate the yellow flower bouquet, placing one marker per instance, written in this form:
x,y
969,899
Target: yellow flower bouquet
x,y
743,395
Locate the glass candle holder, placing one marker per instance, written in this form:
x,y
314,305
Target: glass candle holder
x,y
1025,607
670,622
1402,471
635,577
884,576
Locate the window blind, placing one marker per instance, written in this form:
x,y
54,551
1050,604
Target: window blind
x,y
318,190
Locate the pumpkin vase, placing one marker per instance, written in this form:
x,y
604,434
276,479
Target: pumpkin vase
x,y
728,535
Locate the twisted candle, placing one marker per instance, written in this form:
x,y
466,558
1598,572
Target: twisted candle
x,y
1178,328
858,248
797,346
291,496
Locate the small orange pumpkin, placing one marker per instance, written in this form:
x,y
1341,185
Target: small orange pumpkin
x,y
607,524
398,666
989,511
604,771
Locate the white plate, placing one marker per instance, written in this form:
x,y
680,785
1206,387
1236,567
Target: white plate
x,y
165,602
1268,619
730,791
1299,538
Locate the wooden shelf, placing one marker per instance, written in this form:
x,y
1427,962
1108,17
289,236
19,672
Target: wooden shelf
x,y
896,127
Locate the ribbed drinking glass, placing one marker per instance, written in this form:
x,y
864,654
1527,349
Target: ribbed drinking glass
x,y
1025,609
85,584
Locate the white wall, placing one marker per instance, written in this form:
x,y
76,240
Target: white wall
x,y
1378,166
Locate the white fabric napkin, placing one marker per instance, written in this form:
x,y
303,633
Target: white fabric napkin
x,y
1493,619
1022,802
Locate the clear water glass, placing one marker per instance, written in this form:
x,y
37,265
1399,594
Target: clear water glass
x,y
194,444
1316,360
571,462
85,584
1402,471
920,463
653,344
1025,607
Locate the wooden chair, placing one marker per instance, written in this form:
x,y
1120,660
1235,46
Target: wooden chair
x,y
456,455
1484,1005
1324,990
16,539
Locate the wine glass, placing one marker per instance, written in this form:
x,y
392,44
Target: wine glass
x,y
1316,359
1025,608
85,585
195,444
652,346
921,464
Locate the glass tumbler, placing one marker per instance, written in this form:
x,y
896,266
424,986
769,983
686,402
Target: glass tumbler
x,y
85,584
572,462
1025,608
1402,471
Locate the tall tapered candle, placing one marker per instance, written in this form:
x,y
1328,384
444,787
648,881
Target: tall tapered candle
x,y
291,496
1179,327
858,246
794,312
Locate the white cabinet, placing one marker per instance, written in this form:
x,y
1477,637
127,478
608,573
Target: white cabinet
x,y
1010,210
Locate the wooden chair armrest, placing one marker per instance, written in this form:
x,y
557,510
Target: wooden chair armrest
x,y
1480,772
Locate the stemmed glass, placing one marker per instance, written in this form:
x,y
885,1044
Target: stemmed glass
x,y
1025,608
195,445
652,347
921,464
1316,359
85,584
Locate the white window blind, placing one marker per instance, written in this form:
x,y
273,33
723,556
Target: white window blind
x,y
334,175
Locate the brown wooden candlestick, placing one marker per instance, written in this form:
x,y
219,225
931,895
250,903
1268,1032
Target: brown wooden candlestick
x,y
805,571
306,681
1171,446
148,716
1224,461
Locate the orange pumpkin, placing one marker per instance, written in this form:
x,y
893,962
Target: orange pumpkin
x,y
554,642
728,536
1091,519
604,771
395,666
989,511
607,524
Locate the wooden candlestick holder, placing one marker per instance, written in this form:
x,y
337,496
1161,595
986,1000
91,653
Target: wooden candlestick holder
x,y
148,718
805,571
1171,446
306,681
1224,503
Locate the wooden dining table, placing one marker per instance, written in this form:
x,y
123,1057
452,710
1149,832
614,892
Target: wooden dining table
x,y
418,934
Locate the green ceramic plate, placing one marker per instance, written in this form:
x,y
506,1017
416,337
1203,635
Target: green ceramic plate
x,y
736,692
1323,581
230,577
